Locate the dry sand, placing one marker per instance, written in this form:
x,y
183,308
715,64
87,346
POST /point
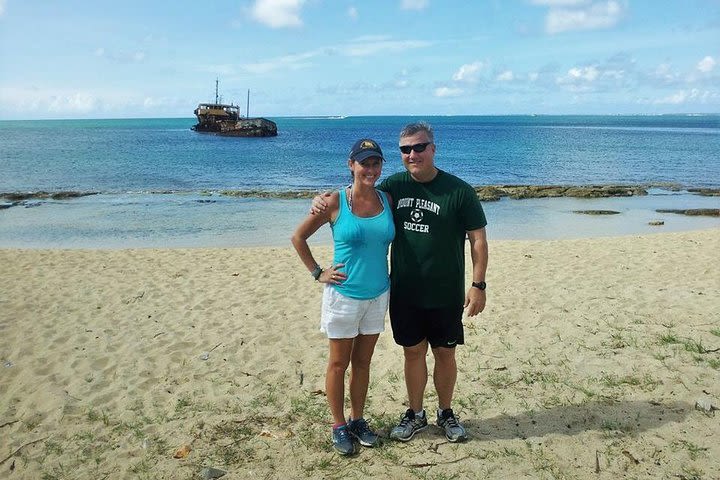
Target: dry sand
x,y
587,363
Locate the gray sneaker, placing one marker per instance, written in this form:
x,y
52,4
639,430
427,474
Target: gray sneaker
x,y
342,441
409,425
454,432
361,430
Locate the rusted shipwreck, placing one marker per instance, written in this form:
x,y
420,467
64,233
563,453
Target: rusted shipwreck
x,y
226,119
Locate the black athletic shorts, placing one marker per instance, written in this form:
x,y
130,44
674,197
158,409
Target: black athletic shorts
x,y
442,327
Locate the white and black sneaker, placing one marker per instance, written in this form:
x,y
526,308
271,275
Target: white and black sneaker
x,y
409,425
454,432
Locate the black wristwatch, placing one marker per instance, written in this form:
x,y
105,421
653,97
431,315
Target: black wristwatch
x,y
480,285
317,272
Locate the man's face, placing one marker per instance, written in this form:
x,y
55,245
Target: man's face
x,y
421,165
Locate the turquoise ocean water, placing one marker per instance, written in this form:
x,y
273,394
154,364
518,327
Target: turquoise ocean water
x,y
158,181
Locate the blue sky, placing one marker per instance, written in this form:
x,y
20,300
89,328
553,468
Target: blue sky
x,y
140,58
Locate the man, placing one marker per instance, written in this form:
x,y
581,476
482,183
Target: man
x,y
433,212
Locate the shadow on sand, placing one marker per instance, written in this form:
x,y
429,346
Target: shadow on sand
x,y
625,416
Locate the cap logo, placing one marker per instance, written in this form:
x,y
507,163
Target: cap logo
x,y
367,144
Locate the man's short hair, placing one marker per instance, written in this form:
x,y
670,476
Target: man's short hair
x,y
413,128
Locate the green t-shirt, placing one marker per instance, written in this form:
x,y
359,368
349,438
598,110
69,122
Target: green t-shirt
x,y
427,259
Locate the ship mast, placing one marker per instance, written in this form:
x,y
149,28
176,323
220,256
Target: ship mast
x,y
247,110
216,90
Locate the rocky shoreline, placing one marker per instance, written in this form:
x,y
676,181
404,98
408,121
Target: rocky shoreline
x,y
486,193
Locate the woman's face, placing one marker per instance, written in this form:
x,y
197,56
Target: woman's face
x,y
368,171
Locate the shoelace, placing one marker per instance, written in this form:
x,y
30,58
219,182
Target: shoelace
x,y
405,420
362,427
451,422
342,433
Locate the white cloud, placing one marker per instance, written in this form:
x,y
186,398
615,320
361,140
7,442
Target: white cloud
x,y
353,13
448,92
371,47
360,47
2,7
278,13
414,4
79,102
120,57
706,64
595,16
580,74
533,76
288,62
468,72
66,103
683,96
506,76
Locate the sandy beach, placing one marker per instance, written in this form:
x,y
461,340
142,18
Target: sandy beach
x,y
587,363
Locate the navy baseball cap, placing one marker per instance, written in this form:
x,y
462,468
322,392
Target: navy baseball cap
x,y
365,148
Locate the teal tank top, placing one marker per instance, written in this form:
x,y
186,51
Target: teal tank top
x,y
362,245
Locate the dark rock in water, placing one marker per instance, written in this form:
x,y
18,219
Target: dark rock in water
x,y
706,192
3,206
290,194
709,212
656,223
62,195
596,212
494,192
66,195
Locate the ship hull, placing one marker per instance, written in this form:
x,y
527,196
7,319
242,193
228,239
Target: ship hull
x,y
246,127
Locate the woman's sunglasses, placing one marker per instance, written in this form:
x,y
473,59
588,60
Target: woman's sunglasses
x,y
418,147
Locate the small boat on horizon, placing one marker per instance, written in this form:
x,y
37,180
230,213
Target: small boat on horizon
x,y
225,119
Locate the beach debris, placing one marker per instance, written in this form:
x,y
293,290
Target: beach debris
x,y
17,450
597,212
208,473
134,299
631,457
656,223
597,461
5,424
8,364
145,443
281,434
206,355
706,406
182,452
317,392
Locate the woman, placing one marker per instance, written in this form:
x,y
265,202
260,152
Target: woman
x,y
356,292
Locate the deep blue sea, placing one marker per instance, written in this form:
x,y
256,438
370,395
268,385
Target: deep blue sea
x,y
157,178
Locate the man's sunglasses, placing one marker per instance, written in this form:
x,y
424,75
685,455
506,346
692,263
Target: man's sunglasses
x,y
418,147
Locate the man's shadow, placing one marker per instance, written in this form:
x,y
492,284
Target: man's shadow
x,y
624,416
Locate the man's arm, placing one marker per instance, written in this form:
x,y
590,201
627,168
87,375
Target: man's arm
x,y
320,203
475,298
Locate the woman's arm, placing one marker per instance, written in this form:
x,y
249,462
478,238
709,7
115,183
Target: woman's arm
x,y
306,229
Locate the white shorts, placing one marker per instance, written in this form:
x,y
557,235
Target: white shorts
x,y
345,317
